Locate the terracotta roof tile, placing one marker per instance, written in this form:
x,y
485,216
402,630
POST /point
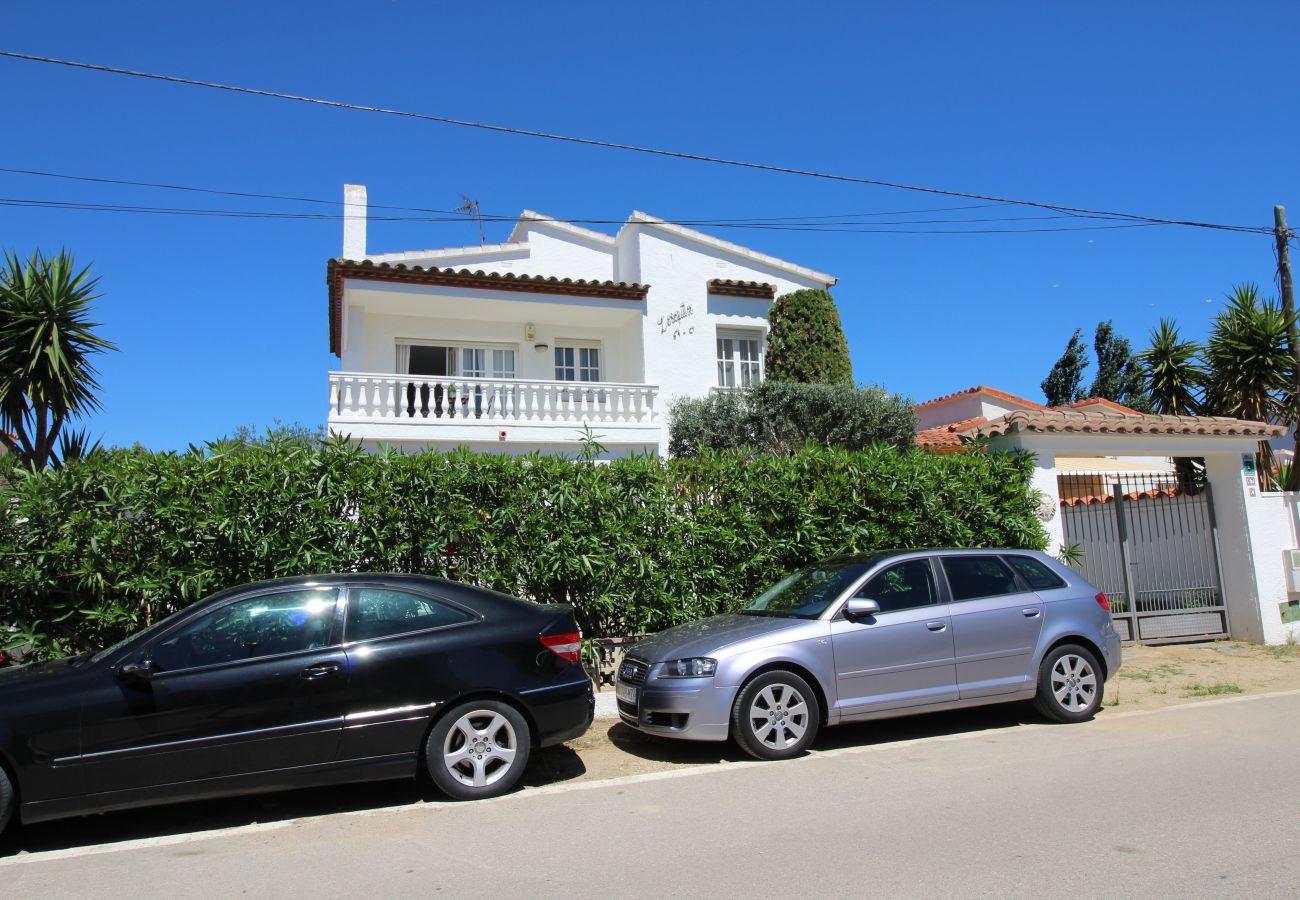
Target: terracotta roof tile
x,y
727,287
947,438
1102,402
1048,421
980,389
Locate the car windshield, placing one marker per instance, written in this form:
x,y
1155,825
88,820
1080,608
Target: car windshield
x,y
807,593
152,629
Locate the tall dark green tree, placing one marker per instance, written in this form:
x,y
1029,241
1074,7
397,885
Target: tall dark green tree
x,y
1119,372
47,342
806,343
1062,384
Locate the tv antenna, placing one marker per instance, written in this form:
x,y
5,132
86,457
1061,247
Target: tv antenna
x,y
471,208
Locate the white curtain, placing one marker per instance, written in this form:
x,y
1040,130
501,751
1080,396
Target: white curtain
x,y
403,358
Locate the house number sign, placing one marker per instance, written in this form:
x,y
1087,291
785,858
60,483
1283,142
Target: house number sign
x,y
671,320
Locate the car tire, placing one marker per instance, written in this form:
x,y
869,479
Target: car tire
x,y
6,800
1070,684
776,716
478,750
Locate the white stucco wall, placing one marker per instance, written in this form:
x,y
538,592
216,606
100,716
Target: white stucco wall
x,y
1274,530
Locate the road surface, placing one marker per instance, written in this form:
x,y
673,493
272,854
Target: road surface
x,y
1201,800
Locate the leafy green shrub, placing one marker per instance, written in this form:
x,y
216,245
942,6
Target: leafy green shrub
x,y
781,417
806,343
114,541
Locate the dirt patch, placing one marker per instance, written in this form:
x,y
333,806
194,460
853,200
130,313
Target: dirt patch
x,y
1151,677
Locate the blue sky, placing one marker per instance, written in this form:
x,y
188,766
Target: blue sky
x,y
1177,109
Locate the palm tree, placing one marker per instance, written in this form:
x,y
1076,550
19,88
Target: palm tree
x,y
1174,377
46,345
1249,360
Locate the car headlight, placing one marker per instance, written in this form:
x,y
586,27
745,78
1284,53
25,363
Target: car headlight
x,y
694,667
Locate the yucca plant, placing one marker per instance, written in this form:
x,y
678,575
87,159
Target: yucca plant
x,y
1174,377
1249,361
46,344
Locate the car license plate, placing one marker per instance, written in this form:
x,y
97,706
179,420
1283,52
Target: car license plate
x,y
626,693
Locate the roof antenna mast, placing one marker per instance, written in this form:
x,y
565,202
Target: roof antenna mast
x,y
471,208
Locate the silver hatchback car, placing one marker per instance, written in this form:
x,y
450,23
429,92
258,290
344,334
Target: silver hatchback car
x,y
873,636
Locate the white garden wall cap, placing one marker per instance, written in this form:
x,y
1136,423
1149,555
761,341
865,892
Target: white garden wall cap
x,y
1047,421
642,218
368,270
729,287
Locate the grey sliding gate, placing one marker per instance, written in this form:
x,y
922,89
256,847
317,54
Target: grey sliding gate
x,y
1149,542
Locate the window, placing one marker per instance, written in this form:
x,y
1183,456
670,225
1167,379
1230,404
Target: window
x,y
455,362
978,576
904,586
1037,575
265,625
577,363
740,362
376,612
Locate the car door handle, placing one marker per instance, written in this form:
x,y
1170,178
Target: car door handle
x,y
1032,612
936,626
320,671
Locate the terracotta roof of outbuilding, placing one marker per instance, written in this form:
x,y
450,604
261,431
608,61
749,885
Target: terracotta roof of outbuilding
x,y
727,287
946,438
339,269
1047,421
1100,401
980,389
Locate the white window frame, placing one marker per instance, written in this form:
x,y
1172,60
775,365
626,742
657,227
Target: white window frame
x,y
577,346
457,359
755,368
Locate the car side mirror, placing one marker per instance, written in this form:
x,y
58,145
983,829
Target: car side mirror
x,y
861,608
136,670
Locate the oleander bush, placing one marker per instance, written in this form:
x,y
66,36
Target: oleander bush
x,y
781,417
109,543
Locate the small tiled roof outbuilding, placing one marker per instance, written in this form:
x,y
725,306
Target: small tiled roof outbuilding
x,y
1058,421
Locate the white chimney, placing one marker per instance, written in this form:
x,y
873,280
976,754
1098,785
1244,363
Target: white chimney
x,y
354,221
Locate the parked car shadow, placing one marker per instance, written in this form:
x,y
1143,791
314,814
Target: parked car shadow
x,y
857,734
549,766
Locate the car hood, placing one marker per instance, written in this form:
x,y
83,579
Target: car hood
x,y
707,636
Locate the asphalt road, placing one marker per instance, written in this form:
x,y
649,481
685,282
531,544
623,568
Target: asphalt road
x,y
1197,800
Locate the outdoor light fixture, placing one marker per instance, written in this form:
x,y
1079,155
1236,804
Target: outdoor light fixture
x,y
542,347
530,331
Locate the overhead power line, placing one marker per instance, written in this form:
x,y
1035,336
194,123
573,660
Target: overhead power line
x,y
612,145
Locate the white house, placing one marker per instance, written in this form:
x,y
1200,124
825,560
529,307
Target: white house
x,y
517,346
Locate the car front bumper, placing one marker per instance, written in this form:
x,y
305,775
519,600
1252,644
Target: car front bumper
x,y
692,709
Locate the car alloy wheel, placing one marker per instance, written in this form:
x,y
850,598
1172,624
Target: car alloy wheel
x,y
478,750
776,716
1069,685
6,800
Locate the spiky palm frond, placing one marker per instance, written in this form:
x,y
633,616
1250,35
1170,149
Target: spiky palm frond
x,y
1172,372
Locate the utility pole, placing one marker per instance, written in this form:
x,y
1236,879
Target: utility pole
x,y
1283,236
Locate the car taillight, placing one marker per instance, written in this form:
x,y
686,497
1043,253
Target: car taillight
x,y
1102,601
566,646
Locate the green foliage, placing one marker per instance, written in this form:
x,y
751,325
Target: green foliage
x,y
1062,384
806,343
46,344
1119,372
781,417
111,542
1173,376
292,432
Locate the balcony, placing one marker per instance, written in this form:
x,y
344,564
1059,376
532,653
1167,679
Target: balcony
x,y
450,411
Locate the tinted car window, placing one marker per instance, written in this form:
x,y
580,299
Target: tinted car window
x,y
904,586
377,612
806,594
978,576
1037,575
257,626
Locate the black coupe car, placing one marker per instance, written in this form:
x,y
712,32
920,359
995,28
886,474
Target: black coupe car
x,y
293,683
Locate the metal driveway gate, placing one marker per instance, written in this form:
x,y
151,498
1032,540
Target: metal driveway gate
x,y
1149,542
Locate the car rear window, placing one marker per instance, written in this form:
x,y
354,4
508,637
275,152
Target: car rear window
x,y
379,612
1038,576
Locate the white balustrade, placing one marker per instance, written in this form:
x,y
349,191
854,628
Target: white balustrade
x,y
433,399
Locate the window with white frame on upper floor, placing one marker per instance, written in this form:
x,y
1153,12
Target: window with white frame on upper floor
x,y
465,361
740,358
577,362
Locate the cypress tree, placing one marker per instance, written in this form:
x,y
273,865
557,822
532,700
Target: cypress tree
x,y
806,343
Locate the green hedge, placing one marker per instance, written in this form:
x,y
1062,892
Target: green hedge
x,y
95,550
